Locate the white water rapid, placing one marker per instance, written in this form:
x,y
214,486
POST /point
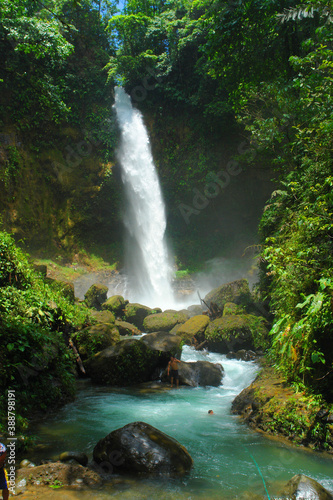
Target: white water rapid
x,y
147,260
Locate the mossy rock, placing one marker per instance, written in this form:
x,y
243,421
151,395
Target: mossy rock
x,y
230,309
163,322
103,316
193,327
115,304
235,332
237,292
129,362
96,338
96,296
127,328
135,313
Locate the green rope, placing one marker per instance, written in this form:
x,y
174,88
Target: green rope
x,y
262,477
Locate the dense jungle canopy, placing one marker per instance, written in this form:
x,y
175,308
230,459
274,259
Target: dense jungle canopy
x,y
217,81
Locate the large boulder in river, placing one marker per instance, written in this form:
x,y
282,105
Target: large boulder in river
x,y
116,304
96,295
135,313
166,344
129,362
303,487
237,292
199,373
193,327
142,449
164,321
95,338
235,332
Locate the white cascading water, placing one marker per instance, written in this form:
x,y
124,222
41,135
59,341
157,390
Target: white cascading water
x,y
148,264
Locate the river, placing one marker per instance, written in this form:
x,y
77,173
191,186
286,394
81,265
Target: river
x,y
229,458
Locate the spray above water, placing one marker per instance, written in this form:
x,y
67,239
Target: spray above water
x,y
147,261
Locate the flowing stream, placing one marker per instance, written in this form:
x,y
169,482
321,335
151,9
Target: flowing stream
x,y
229,459
148,263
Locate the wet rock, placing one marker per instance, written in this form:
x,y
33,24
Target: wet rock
x,y
59,474
96,295
115,304
127,328
193,327
135,313
139,448
79,457
129,362
199,373
302,487
163,322
243,355
165,343
237,292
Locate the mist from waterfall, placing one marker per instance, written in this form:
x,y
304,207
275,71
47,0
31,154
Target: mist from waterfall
x,y
148,265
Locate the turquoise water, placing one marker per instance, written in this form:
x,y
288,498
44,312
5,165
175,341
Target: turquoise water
x,y
229,458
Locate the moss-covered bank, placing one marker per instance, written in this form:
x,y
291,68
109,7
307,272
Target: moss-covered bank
x,y
273,406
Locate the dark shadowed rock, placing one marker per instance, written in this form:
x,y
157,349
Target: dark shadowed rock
x,y
302,487
198,373
142,449
96,338
128,362
96,295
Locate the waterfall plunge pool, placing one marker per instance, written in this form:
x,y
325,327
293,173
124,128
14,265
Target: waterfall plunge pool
x,y
229,458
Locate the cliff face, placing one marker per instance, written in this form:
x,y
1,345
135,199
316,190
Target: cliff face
x,y
52,197
63,195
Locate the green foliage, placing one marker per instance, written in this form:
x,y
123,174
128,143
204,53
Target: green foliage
x,y
294,129
35,320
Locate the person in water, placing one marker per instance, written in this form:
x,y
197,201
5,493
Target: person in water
x,y
173,370
3,473
210,412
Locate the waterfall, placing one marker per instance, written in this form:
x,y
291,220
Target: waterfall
x,y
147,262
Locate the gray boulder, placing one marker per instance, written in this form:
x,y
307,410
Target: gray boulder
x,y
166,344
237,292
142,449
199,373
302,487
